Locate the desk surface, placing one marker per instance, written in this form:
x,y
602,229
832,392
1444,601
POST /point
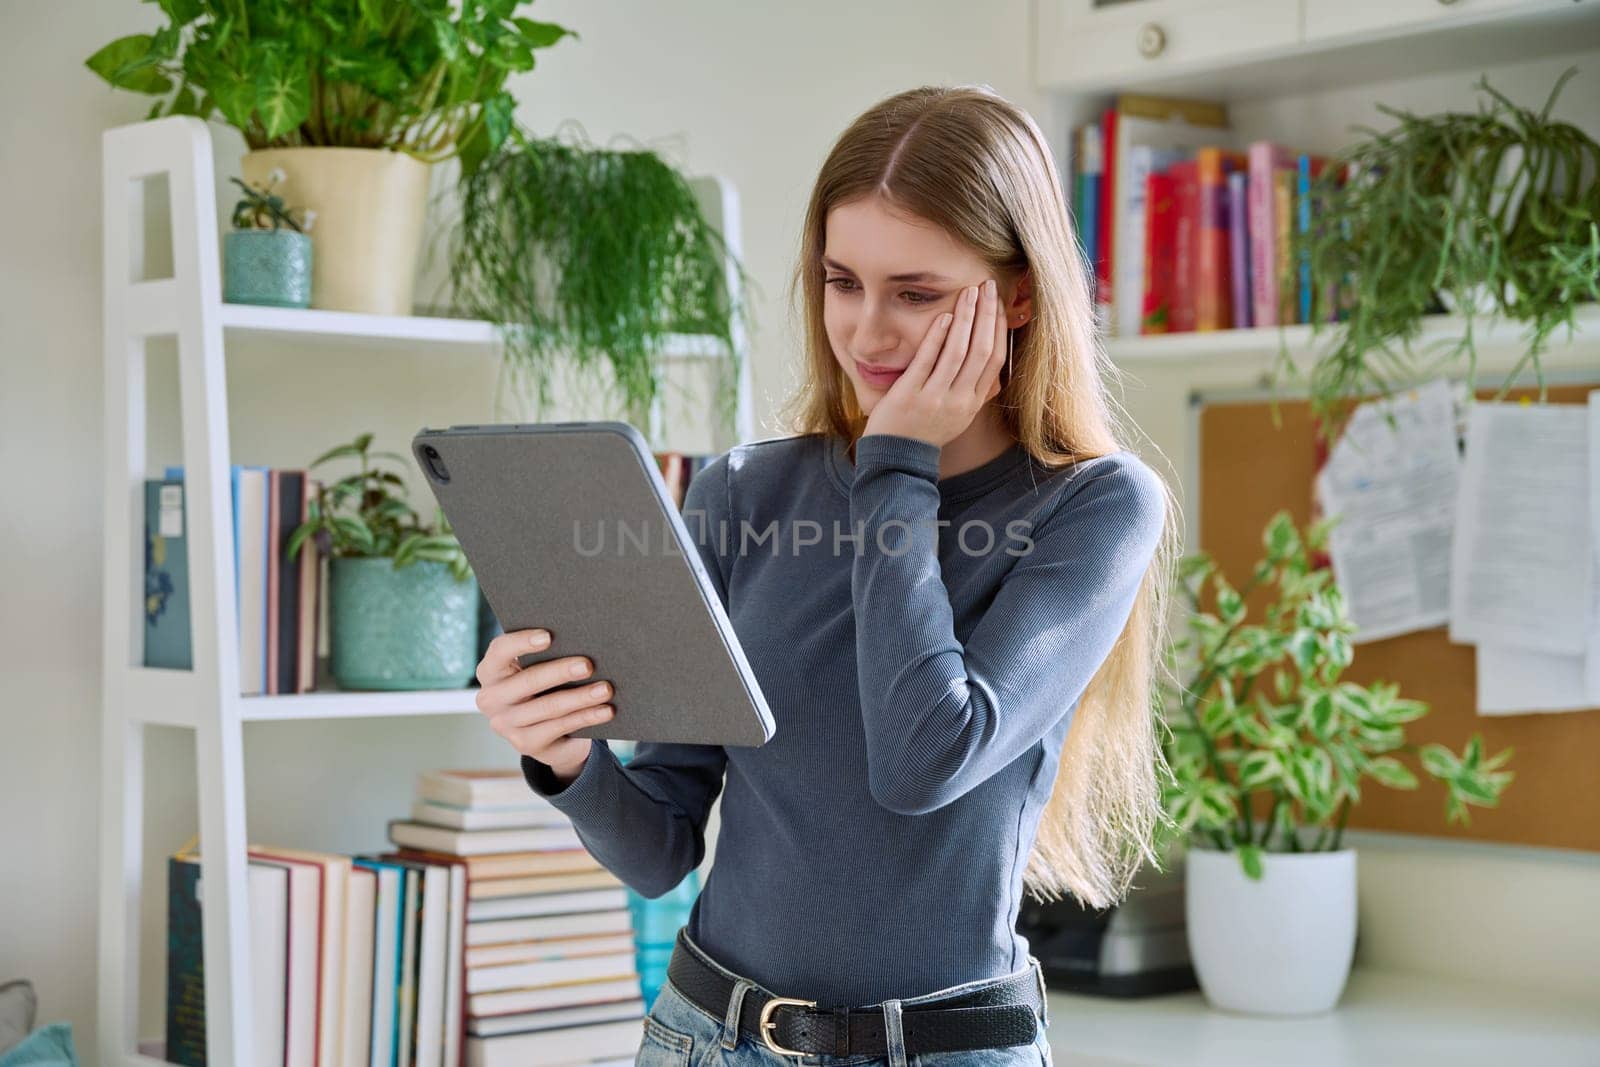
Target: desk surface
x,y
1384,1017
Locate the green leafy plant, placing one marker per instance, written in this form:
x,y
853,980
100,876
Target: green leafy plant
x,y
1265,714
425,77
364,515
595,256
1496,212
262,209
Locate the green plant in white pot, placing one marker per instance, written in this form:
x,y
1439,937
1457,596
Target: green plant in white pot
x,y
402,599
1267,751
353,99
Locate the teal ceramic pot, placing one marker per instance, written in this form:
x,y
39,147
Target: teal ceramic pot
x,y
412,628
271,267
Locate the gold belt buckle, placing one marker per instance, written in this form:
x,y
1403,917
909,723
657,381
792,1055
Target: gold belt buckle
x,y
767,1025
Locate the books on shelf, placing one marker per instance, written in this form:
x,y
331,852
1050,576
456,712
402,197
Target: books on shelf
x,y
1187,229
272,901
277,599
166,576
423,958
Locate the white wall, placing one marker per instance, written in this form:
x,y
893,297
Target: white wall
x,y
755,92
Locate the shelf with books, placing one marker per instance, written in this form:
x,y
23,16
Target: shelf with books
x,y
199,686
1192,216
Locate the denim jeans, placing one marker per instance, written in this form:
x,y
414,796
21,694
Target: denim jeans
x,y
680,1033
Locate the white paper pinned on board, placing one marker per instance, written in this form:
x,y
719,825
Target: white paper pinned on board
x,y
1521,556
1393,487
1516,679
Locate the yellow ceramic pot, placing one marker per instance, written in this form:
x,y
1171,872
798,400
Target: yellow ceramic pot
x,y
367,234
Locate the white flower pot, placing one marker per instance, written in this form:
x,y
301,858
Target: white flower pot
x,y
367,235
1279,946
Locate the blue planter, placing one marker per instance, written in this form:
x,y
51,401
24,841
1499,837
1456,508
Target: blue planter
x,y
411,628
271,267
655,930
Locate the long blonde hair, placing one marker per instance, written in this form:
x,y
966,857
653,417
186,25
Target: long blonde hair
x,y
977,165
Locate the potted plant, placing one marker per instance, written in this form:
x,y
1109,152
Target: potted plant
x,y
1267,750
1495,212
267,257
594,256
354,101
402,599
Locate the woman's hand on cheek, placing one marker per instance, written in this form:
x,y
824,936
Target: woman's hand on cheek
x,y
954,373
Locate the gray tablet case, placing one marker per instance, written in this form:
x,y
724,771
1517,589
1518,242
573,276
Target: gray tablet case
x,y
569,527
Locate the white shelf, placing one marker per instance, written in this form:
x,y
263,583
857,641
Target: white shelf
x,y
1383,1017
254,322
338,704
206,699
1199,346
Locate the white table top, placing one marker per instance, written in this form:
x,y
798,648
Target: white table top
x,y
1384,1017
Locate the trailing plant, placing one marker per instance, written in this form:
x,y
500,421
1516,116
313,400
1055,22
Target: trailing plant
x,y
1496,212
262,209
594,256
1266,716
424,77
364,515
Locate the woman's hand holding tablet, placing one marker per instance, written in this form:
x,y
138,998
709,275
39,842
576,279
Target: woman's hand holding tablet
x,y
517,702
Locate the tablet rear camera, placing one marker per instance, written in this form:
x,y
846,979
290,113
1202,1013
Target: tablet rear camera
x,y
435,464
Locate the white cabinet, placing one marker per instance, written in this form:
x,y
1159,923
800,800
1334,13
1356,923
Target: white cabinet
x,y
1326,19
1232,49
1086,42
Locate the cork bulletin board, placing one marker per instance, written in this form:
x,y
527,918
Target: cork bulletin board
x,y
1248,470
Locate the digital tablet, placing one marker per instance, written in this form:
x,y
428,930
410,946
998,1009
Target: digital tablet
x,y
570,528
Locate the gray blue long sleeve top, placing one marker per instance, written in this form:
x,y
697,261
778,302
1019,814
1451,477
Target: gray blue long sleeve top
x,y
922,643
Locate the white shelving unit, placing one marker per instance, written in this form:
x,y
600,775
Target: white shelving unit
x,y
206,699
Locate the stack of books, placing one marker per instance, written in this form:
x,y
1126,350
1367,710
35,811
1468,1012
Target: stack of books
x,y
551,971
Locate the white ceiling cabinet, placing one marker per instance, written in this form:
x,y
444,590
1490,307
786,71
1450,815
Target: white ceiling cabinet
x,y
1088,41
1223,47
1338,18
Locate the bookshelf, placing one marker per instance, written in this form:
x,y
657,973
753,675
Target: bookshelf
x,y
1305,74
159,173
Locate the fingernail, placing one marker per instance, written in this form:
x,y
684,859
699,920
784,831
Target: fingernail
x,y
579,668
946,319
539,638
989,287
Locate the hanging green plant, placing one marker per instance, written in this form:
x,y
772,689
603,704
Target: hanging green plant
x,y
1491,214
594,256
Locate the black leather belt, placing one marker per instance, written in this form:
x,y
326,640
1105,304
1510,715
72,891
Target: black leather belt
x,y
997,1016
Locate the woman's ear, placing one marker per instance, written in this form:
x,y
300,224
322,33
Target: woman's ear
x,y
1019,308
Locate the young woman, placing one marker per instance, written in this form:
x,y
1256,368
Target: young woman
x,y
950,583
